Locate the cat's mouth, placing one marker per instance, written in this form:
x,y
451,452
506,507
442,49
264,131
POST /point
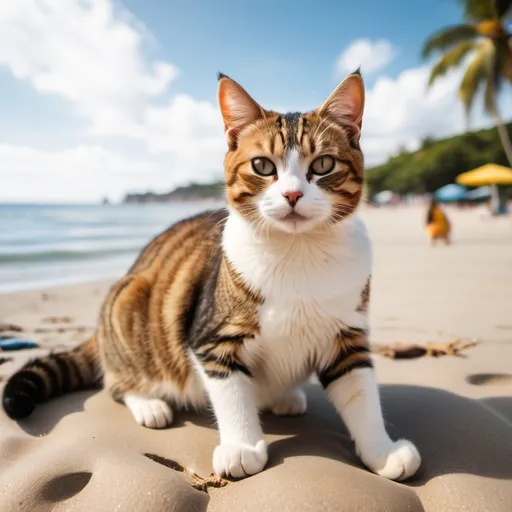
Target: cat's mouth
x,y
295,223
294,217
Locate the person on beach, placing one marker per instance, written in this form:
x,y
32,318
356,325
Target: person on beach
x,y
438,225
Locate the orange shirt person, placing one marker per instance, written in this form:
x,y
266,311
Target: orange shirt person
x,y
438,225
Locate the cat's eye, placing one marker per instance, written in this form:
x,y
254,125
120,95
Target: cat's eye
x,y
263,166
322,165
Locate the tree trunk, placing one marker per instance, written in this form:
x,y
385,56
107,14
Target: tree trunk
x,y
504,136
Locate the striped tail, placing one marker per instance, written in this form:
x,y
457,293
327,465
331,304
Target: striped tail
x,y
48,377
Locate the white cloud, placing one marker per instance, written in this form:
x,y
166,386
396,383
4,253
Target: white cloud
x,y
191,130
86,52
90,54
370,55
71,175
401,112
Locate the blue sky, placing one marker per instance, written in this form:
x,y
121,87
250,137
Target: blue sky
x,y
100,97
284,51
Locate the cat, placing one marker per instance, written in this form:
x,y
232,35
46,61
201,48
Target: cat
x,y
237,308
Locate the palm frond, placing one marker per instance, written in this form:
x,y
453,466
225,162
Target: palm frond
x,y
478,73
501,69
478,10
490,96
450,59
447,38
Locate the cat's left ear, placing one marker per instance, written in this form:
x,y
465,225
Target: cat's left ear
x,y
237,107
346,105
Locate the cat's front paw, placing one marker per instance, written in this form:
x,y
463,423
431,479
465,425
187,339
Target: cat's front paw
x,y
398,461
239,459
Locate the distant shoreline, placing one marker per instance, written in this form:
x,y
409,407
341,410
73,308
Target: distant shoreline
x,y
157,199
194,192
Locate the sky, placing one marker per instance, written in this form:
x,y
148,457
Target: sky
x,y
103,97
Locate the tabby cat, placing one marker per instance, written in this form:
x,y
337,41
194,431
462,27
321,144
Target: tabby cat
x,y
239,308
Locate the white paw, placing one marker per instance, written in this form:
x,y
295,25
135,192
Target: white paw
x,y
149,412
293,403
239,460
400,461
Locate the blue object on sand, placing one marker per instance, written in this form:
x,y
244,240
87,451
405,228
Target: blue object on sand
x,y
451,193
15,344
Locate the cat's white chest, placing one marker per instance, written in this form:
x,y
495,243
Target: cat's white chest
x,y
311,287
297,336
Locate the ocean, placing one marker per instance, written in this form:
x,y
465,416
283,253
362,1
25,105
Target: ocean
x,y
46,245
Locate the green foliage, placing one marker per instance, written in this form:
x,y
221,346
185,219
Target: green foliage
x,y
476,74
451,59
437,163
478,10
198,191
447,38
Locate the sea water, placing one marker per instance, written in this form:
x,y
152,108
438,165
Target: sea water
x,y
47,245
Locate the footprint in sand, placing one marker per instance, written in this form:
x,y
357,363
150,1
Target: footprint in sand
x,y
65,486
490,379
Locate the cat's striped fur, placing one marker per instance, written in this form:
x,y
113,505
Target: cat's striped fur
x,y
240,307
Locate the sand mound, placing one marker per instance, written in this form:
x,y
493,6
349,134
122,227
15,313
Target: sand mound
x,y
84,452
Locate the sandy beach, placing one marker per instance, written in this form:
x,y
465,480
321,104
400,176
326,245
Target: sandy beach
x,y
84,452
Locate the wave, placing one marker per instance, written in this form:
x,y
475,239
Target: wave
x,y
78,235
67,255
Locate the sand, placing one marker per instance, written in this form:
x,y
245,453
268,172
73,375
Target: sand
x,y
83,452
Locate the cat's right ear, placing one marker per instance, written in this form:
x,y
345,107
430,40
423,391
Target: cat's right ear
x,y
237,107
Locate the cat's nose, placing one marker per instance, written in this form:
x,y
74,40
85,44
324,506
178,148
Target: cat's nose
x,y
292,197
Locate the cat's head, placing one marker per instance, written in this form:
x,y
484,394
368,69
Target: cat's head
x,y
293,172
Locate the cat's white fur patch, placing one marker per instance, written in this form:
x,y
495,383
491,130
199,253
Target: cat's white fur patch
x,y
356,397
293,403
311,285
233,401
242,450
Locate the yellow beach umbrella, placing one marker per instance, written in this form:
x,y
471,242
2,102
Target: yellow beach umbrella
x,y
489,174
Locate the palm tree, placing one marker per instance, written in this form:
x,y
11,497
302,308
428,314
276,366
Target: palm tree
x,y
487,40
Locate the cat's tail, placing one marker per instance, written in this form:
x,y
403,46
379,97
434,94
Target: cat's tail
x,y
51,376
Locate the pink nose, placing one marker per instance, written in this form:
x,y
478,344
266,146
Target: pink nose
x,y
292,197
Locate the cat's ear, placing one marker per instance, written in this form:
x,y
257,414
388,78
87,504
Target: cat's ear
x,y
346,105
237,107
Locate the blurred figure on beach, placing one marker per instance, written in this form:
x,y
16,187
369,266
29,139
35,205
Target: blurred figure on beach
x,y
438,225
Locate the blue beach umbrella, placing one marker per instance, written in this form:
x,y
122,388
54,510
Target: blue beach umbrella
x,y
451,192
479,193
